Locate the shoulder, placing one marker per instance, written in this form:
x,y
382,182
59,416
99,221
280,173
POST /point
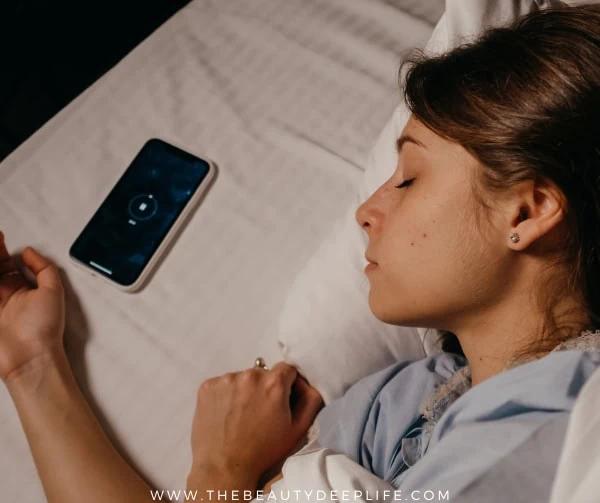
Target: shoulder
x,y
483,459
510,426
526,472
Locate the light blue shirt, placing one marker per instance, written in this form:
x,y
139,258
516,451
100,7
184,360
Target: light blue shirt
x,y
498,441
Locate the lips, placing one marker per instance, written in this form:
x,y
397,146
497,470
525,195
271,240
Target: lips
x,y
370,267
370,260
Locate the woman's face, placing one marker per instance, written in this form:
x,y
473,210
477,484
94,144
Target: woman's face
x,y
434,268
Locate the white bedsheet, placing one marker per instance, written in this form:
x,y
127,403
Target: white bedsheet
x,y
287,97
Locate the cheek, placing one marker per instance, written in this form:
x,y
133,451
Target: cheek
x,y
418,279
434,262
452,259
432,240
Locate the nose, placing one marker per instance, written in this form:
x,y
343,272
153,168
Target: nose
x,y
364,217
371,214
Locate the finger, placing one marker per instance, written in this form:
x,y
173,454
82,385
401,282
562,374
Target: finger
x,y
45,271
11,273
11,276
303,388
10,283
307,406
7,263
3,251
289,373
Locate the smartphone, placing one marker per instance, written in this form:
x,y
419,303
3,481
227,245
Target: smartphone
x,y
133,226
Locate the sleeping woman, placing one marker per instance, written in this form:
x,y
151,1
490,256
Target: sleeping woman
x,y
488,230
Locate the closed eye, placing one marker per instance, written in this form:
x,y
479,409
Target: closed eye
x,y
405,183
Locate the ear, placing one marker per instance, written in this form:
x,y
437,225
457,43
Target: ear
x,y
536,215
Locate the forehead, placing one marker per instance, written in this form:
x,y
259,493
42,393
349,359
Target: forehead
x,y
437,147
417,129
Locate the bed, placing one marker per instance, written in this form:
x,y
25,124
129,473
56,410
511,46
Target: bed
x,y
287,97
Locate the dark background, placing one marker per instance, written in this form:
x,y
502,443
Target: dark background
x,y
50,51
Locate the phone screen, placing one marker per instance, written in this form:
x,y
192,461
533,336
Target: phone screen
x,y
137,214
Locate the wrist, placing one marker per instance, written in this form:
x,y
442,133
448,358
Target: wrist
x,y
31,375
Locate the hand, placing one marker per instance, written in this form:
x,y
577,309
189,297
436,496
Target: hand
x,y
32,320
244,423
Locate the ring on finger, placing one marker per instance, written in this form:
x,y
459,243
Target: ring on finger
x,y
260,363
10,273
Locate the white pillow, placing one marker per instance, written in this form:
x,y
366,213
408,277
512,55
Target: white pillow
x,y
326,328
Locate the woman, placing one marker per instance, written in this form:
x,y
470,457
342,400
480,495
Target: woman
x,y
489,231
489,226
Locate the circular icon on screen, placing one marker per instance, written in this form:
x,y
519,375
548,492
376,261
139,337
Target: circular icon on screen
x,y
143,207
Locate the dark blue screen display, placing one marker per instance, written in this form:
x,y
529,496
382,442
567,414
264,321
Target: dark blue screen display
x,y
135,217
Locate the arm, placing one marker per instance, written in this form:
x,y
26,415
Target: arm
x,y
74,458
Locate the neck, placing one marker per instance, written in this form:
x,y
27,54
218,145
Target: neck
x,y
492,339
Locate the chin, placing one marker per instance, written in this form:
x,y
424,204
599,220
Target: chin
x,y
381,314
394,316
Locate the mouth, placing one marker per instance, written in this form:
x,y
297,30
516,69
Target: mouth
x,y
369,260
370,266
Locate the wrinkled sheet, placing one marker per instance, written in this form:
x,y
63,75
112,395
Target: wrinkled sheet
x,y
287,97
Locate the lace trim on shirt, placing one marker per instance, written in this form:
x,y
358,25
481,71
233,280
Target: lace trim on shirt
x,y
444,395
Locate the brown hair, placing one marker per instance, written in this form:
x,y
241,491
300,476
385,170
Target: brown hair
x,y
524,99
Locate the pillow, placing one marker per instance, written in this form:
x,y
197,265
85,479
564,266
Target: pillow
x,y
326,328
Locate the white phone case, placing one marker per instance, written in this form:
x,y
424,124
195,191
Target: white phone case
x,y
164,245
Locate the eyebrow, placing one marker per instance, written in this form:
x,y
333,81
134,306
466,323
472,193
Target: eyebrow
x,y
407,138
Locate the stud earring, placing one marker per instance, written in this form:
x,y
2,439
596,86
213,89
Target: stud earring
x,y
514,237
